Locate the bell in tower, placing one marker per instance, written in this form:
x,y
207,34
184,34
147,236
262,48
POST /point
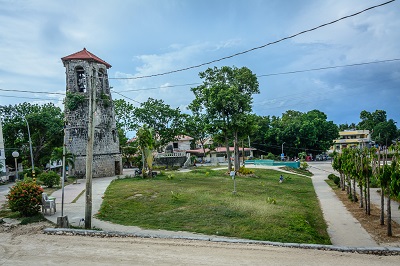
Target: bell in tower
x,y
87,74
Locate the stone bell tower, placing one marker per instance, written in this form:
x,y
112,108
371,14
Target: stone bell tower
x,y
87,73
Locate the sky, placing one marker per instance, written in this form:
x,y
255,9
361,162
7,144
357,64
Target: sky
x,y
141,38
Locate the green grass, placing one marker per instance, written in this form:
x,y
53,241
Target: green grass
x,y
202,201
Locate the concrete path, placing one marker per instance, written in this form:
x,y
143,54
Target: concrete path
x,y
4,189
343,228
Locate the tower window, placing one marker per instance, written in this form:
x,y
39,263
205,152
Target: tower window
x,y
81,79
101,80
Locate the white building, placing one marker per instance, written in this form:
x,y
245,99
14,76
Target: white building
x,y
352,138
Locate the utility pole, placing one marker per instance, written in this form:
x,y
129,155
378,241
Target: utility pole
x,y
89,153
62,221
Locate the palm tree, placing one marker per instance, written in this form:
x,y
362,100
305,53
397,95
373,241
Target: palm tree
x,y
57,155
146,144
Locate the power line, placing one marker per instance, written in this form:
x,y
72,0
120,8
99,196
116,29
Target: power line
x,y
197,83
259,47
44,92
157,88
324,68
278,73
126,97
21,97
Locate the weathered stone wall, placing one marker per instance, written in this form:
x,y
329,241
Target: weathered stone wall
x,y
107,160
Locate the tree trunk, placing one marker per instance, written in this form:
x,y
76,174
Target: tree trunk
x,y
342,181
368,197
382,218
237,166
228,153
389,216
354,190
243,152
361,196
143,164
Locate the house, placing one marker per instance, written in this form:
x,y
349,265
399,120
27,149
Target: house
x,y
181,144
218,155
352,138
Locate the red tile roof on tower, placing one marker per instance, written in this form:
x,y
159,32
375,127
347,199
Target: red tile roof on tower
x,y
85,55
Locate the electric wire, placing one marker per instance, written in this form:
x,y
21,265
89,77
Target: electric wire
x,y
275,74
197,83
258,47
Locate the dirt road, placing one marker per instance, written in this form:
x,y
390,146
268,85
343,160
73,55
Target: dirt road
x,y
28,245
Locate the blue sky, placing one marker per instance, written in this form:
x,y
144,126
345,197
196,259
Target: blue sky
x,y
149,37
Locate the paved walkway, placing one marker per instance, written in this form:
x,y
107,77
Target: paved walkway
x,y
343,228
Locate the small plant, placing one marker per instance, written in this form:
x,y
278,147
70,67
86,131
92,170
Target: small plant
x,y
25,197
304,165
271,200
28,172
170,177
245,171
74,100
105,99
335,179
176,197
50,179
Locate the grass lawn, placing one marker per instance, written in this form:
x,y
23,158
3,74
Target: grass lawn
x,y
202,201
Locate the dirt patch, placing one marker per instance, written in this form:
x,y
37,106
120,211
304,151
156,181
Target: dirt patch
x,y
371,223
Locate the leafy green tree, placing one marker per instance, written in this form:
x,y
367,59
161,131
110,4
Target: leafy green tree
x,y
343,127
46,130
197,126
370,120
226,97
385,132
125,116
57,155
337,164
258,138
301,132
145,141
167,123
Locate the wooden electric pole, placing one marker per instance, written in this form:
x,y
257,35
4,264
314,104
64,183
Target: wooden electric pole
x,y
89,153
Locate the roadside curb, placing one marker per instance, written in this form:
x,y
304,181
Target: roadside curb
x,y
381,251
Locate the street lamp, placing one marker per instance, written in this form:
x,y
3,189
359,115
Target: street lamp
x,y
30,147
282,154
15,154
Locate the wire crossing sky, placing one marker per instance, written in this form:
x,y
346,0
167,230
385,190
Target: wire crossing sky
x,y
341,67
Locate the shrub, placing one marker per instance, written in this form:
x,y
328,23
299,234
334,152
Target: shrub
x,y
50,179
28,172
270,156
335,179
331,176
245,171
304,165
25,197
